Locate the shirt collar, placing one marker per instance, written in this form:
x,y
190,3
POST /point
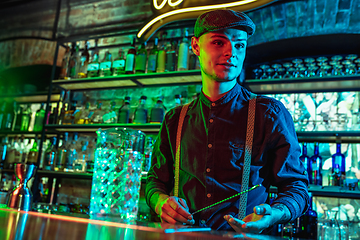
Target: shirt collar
x,y
226,98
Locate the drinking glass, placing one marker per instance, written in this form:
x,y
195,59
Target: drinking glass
x,y
276,68
264,67
288,67
257,73
269,72
117,174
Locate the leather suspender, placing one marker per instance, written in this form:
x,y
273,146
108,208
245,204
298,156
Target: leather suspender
x,y
247,157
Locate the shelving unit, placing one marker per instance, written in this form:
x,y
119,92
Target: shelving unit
x,y
39,97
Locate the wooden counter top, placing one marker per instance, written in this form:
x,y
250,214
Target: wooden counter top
x,y
32,225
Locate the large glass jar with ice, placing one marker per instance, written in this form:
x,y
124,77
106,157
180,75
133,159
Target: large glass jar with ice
x,y
117,174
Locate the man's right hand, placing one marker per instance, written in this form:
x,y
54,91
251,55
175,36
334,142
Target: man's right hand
x,y
174,210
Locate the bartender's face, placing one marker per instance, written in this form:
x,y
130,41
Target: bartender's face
x,y
221,53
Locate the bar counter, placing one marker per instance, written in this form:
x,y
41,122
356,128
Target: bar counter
x,y
32,225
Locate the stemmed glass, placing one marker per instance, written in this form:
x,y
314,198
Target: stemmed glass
x,y
269,72
264,67
276,67
298,66
257,72
357,61
289,70
350,68
322,72
337,67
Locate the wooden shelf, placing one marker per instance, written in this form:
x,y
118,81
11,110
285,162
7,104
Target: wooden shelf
x,y
31,98
329,136
304,85
132,80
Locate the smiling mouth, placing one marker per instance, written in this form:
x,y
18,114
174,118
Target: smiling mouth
x,y
227,65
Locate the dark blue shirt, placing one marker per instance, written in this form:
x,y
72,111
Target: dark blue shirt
x,y
212,156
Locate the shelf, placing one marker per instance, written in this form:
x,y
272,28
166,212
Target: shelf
x,y
146,128
31,98
54,174
329,136
133,80
304,85
25,134
332,191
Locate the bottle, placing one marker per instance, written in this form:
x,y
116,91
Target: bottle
x,y
3,151
306,225
90,157
65,64
2,115
3,190
130,59
335,176
74,61
69,114
153,55
339,159
94,66
183,58
177,100
39,118
72,154
193,60
84,61
161,58
112,113
105,65
170,50
50,155
60,119
53,115
9,117
157,112
62,154
119,63
33,153
304,158
140,59
48,114
315,167
80,162
148,153
108,114
124,111
10,156
84,115
18,150
32,118
18,120
97,117
25,119
141,113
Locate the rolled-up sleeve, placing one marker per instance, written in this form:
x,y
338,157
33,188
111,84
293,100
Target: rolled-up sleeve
x,y
289,173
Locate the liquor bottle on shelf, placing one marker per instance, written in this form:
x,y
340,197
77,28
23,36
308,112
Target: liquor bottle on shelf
x,y
177,100
140,59
306,225
18,150
183,58
48,114
90,159
33,153
2,115
124,111
65,64
39,118
85,115
62,154
84,61
3,151
32,118
94,66
25,118
18,120
3,190
335,176
338,163
161,58
9,116
82,159
97,117
111,114
69,114
72,154
141,112
119,63
170,51
193,60
148,152
10,156
74,61
304,158
50,155
315,167
130,59
153,55
157,112
105,65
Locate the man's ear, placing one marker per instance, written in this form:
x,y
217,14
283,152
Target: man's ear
x,y
195,45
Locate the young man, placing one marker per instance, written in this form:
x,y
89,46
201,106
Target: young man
x,y
213,139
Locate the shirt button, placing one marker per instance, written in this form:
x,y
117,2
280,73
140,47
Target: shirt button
x,y
208,169
213,104
208,195
211,120
202,221
210,145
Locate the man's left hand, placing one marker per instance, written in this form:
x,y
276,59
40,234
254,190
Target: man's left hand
x,y
263,217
